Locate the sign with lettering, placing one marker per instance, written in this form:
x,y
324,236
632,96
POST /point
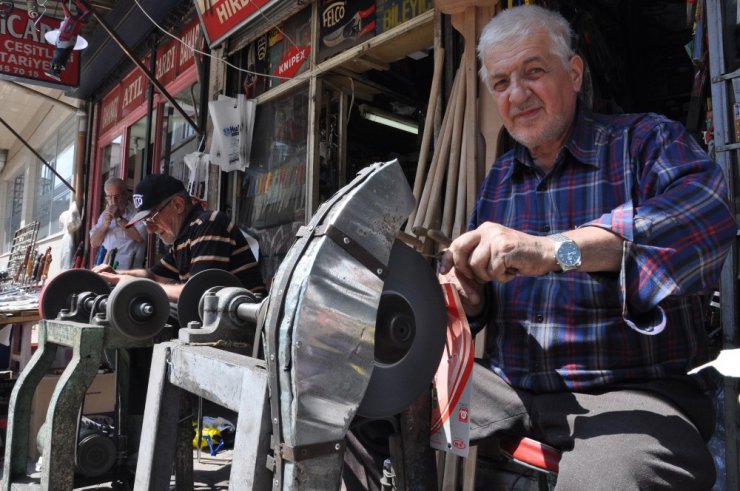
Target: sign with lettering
x,y
133,91
344,23
189,37
164,70
25,54
222,17
392,13
110,109
292,61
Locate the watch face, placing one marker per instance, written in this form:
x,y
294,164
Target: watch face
x,y
569,254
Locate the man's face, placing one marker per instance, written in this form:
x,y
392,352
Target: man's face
x,y
116,197
166,221
534,93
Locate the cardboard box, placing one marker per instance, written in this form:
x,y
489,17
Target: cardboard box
x,y
100,399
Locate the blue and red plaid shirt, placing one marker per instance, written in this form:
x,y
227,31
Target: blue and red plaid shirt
x,y
644,178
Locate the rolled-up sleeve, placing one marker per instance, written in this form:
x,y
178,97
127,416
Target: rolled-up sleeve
x,y
678,227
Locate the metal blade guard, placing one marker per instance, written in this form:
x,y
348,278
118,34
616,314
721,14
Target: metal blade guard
x,y
320,322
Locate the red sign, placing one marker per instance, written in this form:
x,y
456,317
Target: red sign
x,y
292,61
221,17
189,37
25,54
133,91
166,62
110,109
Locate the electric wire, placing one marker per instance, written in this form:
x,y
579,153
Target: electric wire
x,y
216,58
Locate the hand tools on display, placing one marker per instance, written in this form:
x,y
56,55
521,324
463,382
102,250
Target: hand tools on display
x,y
79,253
354,326
100,256
35,272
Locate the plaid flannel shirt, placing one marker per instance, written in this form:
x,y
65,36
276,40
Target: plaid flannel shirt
x,y
644,178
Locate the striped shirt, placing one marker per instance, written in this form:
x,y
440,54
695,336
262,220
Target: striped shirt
x,y
209,240
644,178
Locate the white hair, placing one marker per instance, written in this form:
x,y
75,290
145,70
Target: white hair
x,y
518,23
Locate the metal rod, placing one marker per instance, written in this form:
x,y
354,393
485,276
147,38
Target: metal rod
x,y
144,70
42,95
38,155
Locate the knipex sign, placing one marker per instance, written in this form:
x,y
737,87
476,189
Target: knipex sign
x,y
222,17
25,54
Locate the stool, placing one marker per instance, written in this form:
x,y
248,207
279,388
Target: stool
x,y
534,455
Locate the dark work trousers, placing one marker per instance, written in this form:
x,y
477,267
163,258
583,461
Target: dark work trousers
x,y
647,436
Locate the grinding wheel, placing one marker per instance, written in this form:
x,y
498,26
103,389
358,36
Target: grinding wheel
x,y
194,289
409,335
57,292
138,309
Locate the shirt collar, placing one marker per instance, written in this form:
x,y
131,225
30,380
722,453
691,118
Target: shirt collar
x,y
195,210
580,143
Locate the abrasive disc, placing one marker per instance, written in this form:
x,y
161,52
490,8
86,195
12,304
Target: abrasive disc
x,y
57,293
409,334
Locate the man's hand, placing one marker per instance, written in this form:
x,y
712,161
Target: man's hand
x,y
110,277
470,291
103,268
493,252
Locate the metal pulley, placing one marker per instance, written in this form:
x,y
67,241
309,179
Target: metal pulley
x,y
138,308
215,307
189,304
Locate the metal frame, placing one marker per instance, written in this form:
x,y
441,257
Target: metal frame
x,y
727,157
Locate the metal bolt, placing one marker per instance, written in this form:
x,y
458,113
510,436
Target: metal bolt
x,y
346,240
379,271
274,421
272,357
277,482
298,345
337,446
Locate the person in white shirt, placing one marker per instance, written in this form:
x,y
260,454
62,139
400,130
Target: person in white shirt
x,y
110,231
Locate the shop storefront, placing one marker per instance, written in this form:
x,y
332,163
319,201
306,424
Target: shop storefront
x,y
339,85
134,138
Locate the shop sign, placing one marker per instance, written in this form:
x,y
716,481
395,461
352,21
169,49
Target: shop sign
x,y
189,37
292,61
110,109
166,58
25,54
222,17
133,91
392,13
344,24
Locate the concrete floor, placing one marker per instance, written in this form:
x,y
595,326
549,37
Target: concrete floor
x,y
210,473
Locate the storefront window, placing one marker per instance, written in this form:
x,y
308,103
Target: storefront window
x,y
272,194
111,164
178,137
53,195
137,151
14,207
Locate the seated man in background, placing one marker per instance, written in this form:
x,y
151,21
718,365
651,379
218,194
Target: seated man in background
x,y
587,255
198,239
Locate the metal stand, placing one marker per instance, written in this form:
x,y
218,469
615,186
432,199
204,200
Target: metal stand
x,y
234,381
62,415
132,316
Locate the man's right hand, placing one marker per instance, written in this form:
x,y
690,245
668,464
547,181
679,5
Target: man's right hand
x,y
103,268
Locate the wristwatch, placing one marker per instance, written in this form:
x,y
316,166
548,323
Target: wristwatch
x,y
567,252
